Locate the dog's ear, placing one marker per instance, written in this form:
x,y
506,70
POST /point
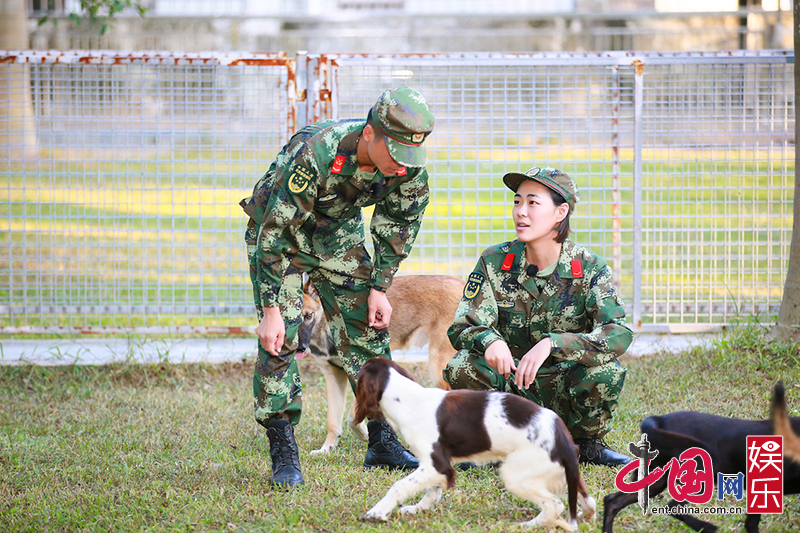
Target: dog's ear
x,y
782,424
403,372
779,395
369,389
308,288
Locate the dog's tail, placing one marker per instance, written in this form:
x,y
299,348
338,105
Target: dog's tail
x,y
781,424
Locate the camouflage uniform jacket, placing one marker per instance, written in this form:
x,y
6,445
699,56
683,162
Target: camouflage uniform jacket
x,y
310,201
578,308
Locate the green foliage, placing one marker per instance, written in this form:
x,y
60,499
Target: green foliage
x,y
747,342
99,13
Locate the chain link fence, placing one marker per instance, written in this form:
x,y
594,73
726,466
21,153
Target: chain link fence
x,y
122,174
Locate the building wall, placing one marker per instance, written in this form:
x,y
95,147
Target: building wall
x,y
429,33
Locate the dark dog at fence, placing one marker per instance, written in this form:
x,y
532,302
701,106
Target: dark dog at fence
x,y
423,307
725,441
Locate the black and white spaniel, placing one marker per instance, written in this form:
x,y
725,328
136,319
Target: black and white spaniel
x,y
440,427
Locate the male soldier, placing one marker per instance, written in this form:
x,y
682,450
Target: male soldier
x,y
541,318
305,217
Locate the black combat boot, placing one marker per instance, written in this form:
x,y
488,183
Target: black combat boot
x,y
284,453
385,450
597,452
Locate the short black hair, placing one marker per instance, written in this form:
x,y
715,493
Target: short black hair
x,y
562,229
371,122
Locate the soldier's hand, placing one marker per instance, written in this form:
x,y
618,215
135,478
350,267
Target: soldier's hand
x,y
498,356
271,330
531,362
380,311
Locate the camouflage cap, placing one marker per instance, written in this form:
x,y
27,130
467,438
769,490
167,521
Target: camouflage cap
x,y
550,178
403,116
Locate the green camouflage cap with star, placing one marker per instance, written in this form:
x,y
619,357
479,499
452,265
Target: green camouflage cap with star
x,y
404,118
549,177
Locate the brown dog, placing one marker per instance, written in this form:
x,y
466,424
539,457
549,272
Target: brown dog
x,y
423,307
539,459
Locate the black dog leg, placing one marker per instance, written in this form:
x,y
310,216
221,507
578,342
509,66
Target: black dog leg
x,y
691,521
751,523
614,503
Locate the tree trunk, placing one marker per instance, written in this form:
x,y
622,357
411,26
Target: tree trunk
x,y
788,326
17,124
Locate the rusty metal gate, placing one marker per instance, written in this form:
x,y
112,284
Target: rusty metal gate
x,y
121,176
126,216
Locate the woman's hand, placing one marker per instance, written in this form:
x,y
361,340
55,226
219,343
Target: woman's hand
x,y
531,362
380,310
271,331
498,356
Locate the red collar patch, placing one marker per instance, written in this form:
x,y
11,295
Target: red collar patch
x,y
338,163
577,268
402,172
509,260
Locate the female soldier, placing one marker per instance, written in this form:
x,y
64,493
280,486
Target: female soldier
x,y
540,318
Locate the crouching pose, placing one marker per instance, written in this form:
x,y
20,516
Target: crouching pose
x,y
541,318
537,452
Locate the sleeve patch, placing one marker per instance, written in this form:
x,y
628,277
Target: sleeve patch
x,y
473,286
300,179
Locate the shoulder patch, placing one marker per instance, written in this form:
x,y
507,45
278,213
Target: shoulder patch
x,y
300,179
495,249
338,164
508,262
577,268
473,286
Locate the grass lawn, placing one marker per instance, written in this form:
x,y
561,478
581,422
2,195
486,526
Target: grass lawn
x,y
175,448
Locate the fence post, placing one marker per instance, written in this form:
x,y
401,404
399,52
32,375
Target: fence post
x,y
320,75
301,62
312,101
291,100
638,85
616,222
331,88
322,81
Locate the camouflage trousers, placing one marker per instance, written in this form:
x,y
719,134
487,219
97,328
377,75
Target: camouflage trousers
x,y
585,397
343,285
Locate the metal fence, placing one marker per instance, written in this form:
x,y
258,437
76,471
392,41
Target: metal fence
x,y
123,173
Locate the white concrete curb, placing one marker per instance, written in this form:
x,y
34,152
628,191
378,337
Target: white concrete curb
x,y
100,351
